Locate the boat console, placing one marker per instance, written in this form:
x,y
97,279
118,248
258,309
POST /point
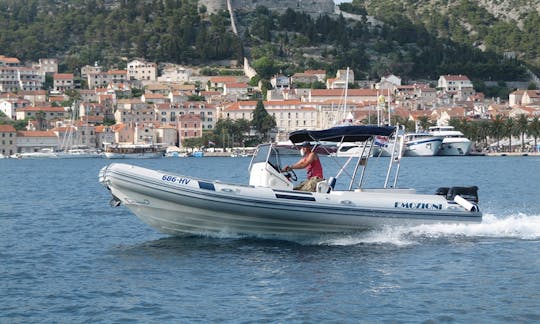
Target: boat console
x,y
265,169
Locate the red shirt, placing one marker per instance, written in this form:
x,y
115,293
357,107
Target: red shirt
x,y
314,169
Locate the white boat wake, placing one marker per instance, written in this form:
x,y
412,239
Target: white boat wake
x,y
517,226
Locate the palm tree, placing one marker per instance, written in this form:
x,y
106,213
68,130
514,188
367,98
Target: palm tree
x,y
424,122
497,129
484,129
510,130
521,128
534,131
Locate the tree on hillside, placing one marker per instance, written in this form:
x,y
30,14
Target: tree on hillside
x,y
262,121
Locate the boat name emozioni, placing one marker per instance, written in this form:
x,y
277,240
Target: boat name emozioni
x,y
417,205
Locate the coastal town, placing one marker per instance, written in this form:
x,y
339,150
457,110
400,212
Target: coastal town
x,y
178,107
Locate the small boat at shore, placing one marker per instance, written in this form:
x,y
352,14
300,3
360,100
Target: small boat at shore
x,y
134,151
44,153
268,206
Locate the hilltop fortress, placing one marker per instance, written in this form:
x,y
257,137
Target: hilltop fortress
x,y
313,7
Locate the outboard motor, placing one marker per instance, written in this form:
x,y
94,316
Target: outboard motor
x,y
467,197
468,193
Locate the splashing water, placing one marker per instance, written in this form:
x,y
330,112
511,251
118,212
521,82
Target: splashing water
x,y
519,226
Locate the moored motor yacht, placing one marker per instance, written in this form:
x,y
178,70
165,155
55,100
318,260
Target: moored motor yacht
x,y
134,151
269,207
454,142
422,144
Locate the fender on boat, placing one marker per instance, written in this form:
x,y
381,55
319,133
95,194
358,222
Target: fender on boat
x,y
465,203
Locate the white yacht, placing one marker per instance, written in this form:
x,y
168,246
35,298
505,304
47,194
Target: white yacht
x,y
352,149
134,151
44,153
422,144
454,142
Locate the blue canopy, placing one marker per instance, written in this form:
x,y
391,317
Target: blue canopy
x,y
342,133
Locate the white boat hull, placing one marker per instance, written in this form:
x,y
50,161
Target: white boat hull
x,y
176,205
427,147
36,155
145,155
452,147
353,149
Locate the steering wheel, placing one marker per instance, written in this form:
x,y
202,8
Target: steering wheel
x,y
290,175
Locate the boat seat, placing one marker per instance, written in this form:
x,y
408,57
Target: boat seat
x,y
326,186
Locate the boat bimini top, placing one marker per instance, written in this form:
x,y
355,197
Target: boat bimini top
x,y
267,155
342,134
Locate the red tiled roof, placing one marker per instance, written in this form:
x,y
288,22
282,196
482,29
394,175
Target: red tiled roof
x,y
237,85
64,76
117,72
341,92
47,109
36,134
9,59
7,128
223,79
313,72
456,77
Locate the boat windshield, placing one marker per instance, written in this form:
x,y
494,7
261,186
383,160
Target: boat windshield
x,y
266,153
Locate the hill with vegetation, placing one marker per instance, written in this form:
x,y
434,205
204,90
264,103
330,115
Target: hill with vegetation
x,y
413,39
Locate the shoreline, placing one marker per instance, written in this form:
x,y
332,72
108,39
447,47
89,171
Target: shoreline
x,y
504,154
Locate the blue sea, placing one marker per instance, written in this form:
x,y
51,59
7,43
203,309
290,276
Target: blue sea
x,y
66,256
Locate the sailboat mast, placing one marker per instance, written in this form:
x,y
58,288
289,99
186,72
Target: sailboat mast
x,y
389,108
346,92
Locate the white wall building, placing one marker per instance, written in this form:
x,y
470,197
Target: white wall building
x,y
141,70
33,141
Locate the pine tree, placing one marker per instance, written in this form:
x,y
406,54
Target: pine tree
x,y
262,121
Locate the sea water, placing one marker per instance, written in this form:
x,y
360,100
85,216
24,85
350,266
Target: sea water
x,y
66,256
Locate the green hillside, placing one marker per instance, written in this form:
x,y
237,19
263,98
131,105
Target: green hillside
x,y
414,39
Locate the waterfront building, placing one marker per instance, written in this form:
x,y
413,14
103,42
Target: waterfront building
x,y
189,126
290,115
34,141
104,134
8,137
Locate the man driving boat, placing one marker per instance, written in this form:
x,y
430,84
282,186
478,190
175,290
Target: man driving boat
x,y
310,161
